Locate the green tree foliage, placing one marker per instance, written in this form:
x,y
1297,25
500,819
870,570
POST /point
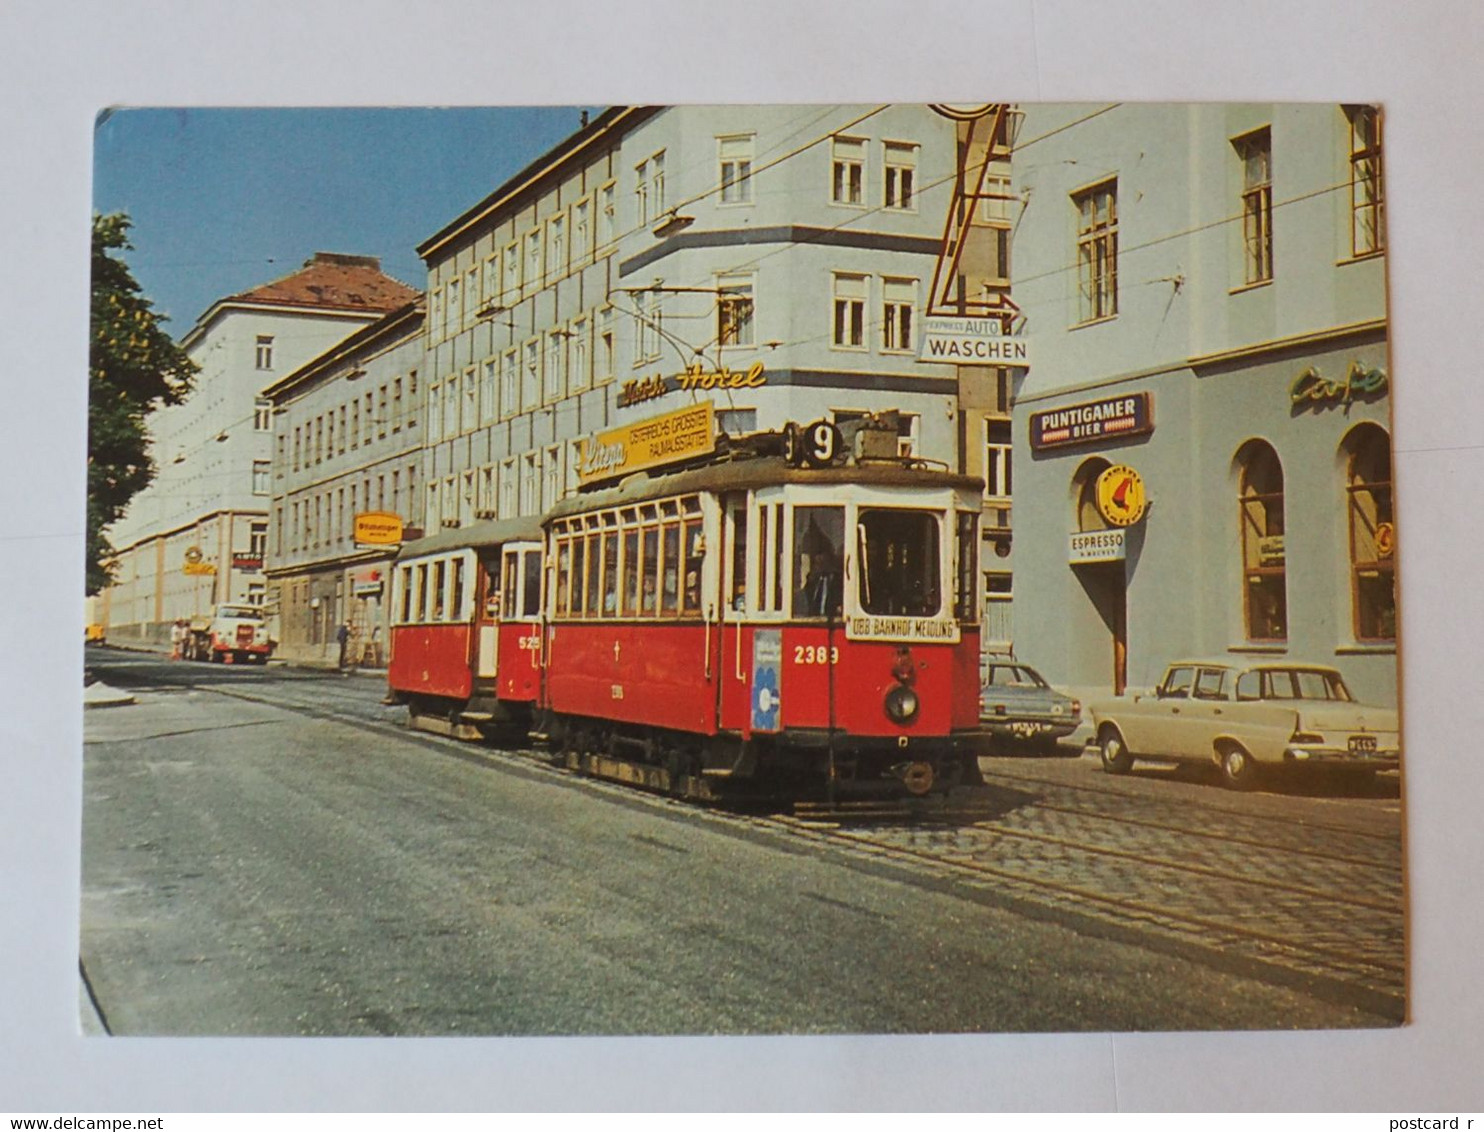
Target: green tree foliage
x,y
133,368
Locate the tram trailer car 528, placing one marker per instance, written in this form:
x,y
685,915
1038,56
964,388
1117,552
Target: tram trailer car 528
x,y
466,629
755,623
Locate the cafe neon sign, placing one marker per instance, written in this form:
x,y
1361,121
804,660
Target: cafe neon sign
x,y
1360,384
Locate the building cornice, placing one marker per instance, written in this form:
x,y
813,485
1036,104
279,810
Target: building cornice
x,y
1253,350
144,540
614,120
223,307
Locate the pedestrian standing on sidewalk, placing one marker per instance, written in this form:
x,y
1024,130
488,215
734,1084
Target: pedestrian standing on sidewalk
x,y
177,638
342,636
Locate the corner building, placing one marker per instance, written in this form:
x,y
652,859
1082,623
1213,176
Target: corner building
x,y
208,504
1206,289
775,260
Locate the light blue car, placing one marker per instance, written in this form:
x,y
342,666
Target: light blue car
x,y
1020,709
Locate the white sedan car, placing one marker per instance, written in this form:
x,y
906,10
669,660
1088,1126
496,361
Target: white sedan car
x,y
1244,718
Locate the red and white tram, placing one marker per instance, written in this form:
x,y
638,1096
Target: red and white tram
x,y
744,624
466,628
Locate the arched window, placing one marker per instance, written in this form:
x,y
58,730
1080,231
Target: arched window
x,y
1372,534
1264,581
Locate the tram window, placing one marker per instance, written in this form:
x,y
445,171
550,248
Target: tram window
x,y
511,581
531,603
491,592
819,540
650,569
777,556
422,592
590,603
406,594
456,595
762,559
439,579
900,560
670,589
694,545
579,572
610,574
631,566
563,575
739,557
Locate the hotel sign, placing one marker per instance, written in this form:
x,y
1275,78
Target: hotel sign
x,y
667,439
1097,546
1111,418
695,378
971,341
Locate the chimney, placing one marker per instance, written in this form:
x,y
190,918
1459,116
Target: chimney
x,y
337,259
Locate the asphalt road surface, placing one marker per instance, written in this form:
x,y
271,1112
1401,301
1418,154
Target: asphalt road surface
x,y
268,851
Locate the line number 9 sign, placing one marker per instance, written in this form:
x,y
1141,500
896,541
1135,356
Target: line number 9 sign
x,y
816,445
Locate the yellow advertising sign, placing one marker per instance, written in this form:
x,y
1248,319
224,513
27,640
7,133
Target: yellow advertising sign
x,y
1121,499
378,528
651,443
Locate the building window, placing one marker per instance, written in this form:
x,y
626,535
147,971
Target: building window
x,y
532,278
641,194
265,351
1372,535
651,327
556,366
901,176
551,481
657,182
261,471
435,414
580,374
850,311
508,488
411,398
582,232
451,406
455,302
297,446
556,247
1367,187
262,415
997,448
1264,573
734,311
510,294
530,394
435,316
605,358
396,405
998,604
471,296
509,384
607,215
529,497
1255,151
735,156
1097,251
898,312
470,418
847,170
381,411
491,285
488,384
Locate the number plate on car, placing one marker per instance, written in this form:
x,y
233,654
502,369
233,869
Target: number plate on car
x,y
1362,744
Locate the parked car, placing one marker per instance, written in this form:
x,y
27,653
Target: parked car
x,y
1018,707
1246,719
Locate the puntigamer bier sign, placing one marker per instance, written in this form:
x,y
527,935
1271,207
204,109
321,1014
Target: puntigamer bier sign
x,y
1131,414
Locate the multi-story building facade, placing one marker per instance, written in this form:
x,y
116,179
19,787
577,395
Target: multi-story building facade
x,y
774,260
208,504
347,441
1205,287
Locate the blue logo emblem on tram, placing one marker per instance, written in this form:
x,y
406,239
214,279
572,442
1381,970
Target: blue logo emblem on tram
x,y
767,658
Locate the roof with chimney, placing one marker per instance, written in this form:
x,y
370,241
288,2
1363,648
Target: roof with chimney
x,y
328,279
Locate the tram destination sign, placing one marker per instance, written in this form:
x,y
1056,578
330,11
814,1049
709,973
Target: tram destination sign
x,y
1131,414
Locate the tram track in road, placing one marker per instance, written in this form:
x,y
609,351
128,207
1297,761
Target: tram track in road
x,y
1299,934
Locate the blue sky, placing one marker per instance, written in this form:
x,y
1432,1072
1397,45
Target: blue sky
x,y
223,200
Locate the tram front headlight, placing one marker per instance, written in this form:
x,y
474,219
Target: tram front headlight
x,y
902,704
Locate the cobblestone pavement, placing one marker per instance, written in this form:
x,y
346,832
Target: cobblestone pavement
x,y
1310,884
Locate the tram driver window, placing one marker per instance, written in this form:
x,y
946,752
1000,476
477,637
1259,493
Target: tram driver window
x,y
819,542
900,562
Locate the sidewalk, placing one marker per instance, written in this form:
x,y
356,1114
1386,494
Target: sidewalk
x,y
310,665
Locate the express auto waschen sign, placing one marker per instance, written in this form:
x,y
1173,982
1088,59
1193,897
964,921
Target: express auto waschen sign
x,y
1131,414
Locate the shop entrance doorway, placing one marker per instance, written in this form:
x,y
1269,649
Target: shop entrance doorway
x,y
1107,585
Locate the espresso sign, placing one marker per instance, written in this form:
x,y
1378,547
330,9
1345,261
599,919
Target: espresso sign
x,y
1111,418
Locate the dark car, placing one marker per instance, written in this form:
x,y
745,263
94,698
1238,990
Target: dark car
x,y
1020,709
